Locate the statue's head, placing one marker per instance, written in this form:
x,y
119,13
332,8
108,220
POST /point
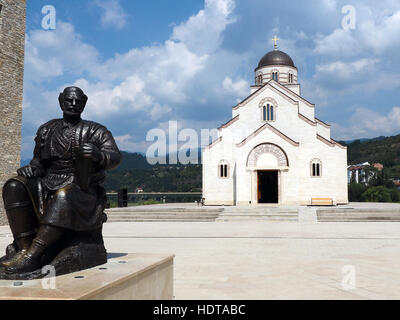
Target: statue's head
x,y
72,101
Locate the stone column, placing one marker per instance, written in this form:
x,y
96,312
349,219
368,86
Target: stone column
x,y
254,188
12,42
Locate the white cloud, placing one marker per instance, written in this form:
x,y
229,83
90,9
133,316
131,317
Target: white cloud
x,y
330,4
366,123
113,15
239,88
51,54
202,33
126,142
339,78
167,74
339,43
157,81
346,70
376,31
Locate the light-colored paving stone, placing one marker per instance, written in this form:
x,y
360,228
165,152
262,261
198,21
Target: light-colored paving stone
x,y
267,260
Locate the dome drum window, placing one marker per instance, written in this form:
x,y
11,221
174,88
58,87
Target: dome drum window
x,y
290,77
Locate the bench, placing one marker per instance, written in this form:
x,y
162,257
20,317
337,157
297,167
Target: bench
x,y
321,201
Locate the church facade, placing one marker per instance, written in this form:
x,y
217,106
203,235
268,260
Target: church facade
x,y
274,150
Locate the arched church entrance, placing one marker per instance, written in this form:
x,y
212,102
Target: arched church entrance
x,y
266,162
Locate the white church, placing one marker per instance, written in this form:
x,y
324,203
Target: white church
x,y
274,151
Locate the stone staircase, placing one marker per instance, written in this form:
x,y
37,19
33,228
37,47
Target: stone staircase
x,y
259,214
358,215
163,214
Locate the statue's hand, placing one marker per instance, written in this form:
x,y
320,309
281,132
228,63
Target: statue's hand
x,y
29,172
89,150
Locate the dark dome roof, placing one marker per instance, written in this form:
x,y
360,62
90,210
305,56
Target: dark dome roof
x,y
276,57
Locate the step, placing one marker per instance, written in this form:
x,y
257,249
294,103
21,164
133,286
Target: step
x,y
358,218
137,209
161,212
160,220
363,210
258,214
225,219
161,217
370,216
359,213
261,210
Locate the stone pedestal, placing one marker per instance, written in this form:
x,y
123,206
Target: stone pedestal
x,y
123,277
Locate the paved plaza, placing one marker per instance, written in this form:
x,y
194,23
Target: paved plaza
x,y
268,260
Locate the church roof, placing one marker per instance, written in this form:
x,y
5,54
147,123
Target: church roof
x,y
276,58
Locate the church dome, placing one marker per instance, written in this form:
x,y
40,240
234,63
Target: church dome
x,y
276,58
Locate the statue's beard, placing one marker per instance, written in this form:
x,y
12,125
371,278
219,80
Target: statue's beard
x,y
72,116
73,112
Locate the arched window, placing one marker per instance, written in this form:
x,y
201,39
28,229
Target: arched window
x,y
271,113
290,77
259,79
316,168
223,169
268,113
275,76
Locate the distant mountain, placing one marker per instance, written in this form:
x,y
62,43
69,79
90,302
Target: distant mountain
x,y
133,161
364,140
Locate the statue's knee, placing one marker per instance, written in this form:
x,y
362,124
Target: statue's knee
x,y
62,193
14,192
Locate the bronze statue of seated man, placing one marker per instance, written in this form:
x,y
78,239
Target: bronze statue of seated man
x,y
60,194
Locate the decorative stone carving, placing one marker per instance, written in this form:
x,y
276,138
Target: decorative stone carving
x,y
267,148
264,101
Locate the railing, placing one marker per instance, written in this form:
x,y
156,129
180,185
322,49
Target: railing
x,y
160,197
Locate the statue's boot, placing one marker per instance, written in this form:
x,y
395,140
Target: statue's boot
x,y
21,217
30,260
23,244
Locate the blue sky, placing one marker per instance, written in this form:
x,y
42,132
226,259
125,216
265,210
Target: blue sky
x,y
143,63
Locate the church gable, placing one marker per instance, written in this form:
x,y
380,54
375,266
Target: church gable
x,y
271,129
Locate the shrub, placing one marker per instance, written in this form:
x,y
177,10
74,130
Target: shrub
x,y
377,194
355,191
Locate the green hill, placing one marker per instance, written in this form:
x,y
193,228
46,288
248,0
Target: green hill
x,y
157,179
385,151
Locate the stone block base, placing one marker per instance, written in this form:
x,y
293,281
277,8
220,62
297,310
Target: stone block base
x,y
123,277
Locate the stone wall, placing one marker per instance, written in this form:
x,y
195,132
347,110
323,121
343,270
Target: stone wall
x,y
12,43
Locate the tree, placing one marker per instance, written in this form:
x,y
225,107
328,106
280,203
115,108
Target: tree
x,y
355,191
377,194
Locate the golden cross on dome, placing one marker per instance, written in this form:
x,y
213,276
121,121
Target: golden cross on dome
x,y
275,39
